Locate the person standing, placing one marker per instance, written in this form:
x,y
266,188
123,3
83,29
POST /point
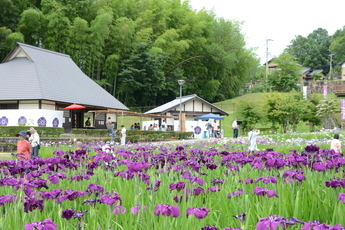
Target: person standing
x,y
235,128
336,144
164,126
208,129
215,129
252,139
112,132
35,141
123,135
88,122
23,146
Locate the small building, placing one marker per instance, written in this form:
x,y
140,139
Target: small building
x,y
37,84
192,107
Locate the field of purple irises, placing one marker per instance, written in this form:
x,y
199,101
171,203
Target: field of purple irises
x,y
211,184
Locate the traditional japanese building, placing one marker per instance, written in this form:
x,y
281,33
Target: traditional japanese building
x,y
37,84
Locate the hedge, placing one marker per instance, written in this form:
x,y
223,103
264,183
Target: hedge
x,y
10,131
136,135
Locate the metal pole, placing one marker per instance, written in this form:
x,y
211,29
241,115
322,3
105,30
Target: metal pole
x,y
267,40
180,82
180,118
330,67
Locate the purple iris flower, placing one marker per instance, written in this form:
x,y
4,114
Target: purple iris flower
x,y
209,227
69,213
197,191
317,225
247,181
167,210
336,182
31,203
95,187
241,217
264,191
270,223
92,201
119,210
53,194
199,213
7,199
214,188
311,148
217,181
46,224
268,179
110,199
236,193
137,208
54,178
341,197
178,186
80,177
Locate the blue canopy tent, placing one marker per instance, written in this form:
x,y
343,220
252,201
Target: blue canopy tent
x,y
210,116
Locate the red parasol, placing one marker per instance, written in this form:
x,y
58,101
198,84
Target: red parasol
x,y
75,106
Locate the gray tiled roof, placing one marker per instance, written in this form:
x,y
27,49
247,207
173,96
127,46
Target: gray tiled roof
x,y
51,76
172,104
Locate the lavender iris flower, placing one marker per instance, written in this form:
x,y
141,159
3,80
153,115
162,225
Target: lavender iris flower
x,y
46,224
268,179
209,227
137,208
264,191
119,210
336,182
110,199
95,187
217,181
341,197
214,188
199,213
7,199
178,186
236,193
167,210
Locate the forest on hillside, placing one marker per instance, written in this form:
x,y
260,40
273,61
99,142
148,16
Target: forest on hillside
x,y
136,49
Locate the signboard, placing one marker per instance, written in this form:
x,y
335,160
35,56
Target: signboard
x,y
342,103
324,91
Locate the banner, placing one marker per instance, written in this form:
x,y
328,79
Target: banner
x,y
342,102
324,91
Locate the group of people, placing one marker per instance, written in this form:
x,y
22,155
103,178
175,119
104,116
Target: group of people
x,y
28,144
162,127
253,133
213,129
111,129
135,126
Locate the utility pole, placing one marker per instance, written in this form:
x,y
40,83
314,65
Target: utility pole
x,y
330,67
267,40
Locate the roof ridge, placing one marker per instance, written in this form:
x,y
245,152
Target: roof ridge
x,y
42,49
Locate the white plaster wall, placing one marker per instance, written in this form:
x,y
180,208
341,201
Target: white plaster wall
x,y
29,104
32,116
198,106
188,107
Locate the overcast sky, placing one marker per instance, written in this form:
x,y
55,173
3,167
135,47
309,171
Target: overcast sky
x,y
279,20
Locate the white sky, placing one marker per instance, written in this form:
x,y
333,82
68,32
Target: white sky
x,y
279,20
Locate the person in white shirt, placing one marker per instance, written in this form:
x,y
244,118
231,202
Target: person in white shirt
x,y
35,141
123,135
336,144
252,139
235,128
164,126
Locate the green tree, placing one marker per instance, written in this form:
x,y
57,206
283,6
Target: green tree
x,y
285,78
313,50
250,113
326,110
31,25
337,46
141,77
